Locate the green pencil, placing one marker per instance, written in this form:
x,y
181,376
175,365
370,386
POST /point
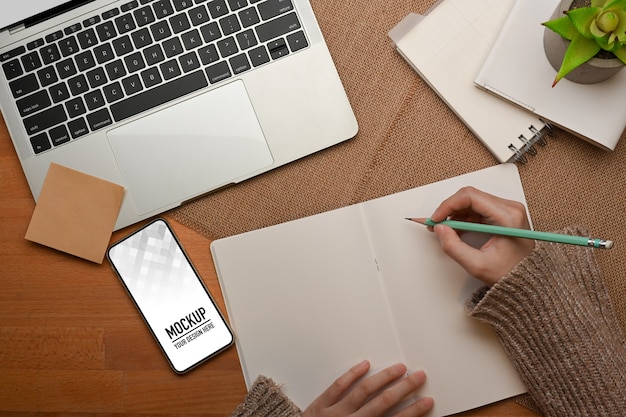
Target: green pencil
x,y
523,233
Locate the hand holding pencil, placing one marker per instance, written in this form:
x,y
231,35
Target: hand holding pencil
x,y
499,254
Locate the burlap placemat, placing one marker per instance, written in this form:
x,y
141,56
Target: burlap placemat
x,y
408,137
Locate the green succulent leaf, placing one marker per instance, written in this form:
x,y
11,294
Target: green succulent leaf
x,y
598,3
580,50
620,53
563,26
582,19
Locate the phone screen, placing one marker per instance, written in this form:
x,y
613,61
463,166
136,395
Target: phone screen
x,y
170,296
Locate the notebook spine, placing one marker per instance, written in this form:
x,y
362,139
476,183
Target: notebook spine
x,y
526,145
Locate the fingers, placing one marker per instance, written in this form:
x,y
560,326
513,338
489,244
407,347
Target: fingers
x,y
343,384
374,396
471,204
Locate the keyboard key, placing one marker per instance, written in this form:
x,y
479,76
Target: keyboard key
x,y
72,29
199,15
78,128
68,46
13,53
54,36
208,54
191,40
24,85
110,14
106,31
91,21
297,41
45,119
230,24
239,64
182,4
47,76
210,32
129,6
227,47
162,8
172,47
59,92
237,4
132,84
259,56
113,92
87,38
103,53
272,8
246,39
160,31
277,27
66,68
217,8
154,54
50,54
123,46
59,135
31,61
96,77
33,103
75,107
78,85
179,23
144,16
141,38
12,69
189,62
115,70
249,17
94,100
40,143
170,69
134,62
85,61
218,72
159,95
37,43
151,77
125,23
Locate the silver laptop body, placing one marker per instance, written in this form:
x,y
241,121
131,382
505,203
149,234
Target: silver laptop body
x,y
171,99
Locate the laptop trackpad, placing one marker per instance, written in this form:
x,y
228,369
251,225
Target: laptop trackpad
x,y
191,148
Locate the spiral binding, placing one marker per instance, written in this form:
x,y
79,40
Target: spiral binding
x,y
528,145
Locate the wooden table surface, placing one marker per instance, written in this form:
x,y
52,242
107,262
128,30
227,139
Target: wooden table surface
x,y
72,343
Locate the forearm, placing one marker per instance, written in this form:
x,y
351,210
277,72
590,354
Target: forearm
x,y
554,318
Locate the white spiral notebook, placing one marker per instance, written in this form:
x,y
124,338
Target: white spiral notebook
x,y
447,47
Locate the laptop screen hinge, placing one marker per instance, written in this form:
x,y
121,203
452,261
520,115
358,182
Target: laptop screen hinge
x,y
15,29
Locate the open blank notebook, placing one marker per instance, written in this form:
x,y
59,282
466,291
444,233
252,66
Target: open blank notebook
x,y
310,298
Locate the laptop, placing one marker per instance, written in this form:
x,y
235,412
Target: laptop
x,y
172,99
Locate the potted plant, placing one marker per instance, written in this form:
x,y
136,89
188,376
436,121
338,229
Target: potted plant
x,y
586,44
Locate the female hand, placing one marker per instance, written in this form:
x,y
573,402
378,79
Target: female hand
x,y
372,396
500,253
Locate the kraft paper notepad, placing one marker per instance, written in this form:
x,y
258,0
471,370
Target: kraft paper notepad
x,y
310,298
517,70
75,213
447,47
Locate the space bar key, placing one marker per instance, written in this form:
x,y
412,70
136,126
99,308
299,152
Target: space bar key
x,y
159,95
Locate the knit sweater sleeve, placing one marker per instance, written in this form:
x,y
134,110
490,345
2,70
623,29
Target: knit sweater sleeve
x,y
554,318
265,399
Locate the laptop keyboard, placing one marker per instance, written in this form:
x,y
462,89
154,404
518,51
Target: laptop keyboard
x,y
143,54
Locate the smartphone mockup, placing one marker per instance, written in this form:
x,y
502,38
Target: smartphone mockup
x,y
170,296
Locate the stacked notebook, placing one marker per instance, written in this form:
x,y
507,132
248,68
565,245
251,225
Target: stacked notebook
x,y
497,46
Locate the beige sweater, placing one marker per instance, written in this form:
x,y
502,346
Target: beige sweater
x,y
554,317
